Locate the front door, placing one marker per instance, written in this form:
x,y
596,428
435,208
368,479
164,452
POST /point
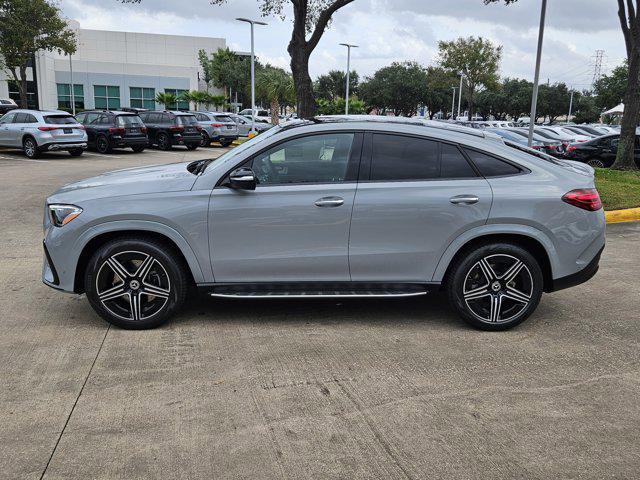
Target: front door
x,y
6,129
416,196
295,225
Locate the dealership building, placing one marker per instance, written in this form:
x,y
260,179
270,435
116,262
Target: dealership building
x,y
113,70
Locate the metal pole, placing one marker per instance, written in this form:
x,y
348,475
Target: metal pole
x,y
253,85
459,96
73,94
346,104
453,101
570,106
534,97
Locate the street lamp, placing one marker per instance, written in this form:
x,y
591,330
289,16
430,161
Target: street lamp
x,y
534,97
349,47
460,94
453,101
253,78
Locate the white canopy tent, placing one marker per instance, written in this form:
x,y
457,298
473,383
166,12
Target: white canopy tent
x,y
618,110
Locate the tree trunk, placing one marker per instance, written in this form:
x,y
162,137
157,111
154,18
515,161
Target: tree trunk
x,y
302,80
21,81
625,157
275,108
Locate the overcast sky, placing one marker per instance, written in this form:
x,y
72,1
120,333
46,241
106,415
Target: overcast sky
x,y
391,30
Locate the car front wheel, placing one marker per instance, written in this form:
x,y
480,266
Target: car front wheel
x,y
136,283
495,287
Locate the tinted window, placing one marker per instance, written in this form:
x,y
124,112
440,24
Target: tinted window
x,y
91,118
154,118
20,118
202,117
128,121
144,116
490,166
453,164
103,120
224,118
186,120
404,158
166,118
315,159
59,119
8,118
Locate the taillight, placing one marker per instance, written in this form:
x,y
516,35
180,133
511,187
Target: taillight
x,y
585,198
81,127
143,129
47,129
536,147
217,124
118,130
199,128
176,129
571,148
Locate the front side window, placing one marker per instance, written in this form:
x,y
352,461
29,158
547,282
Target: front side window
x,y
180,104
397,157
8,118
141,97
490,166
313,159
106,97
64,96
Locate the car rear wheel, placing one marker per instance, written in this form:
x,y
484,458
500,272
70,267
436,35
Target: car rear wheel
x,y
226,143
138,148
30,148
495,287
163,141
206,140
102,144
192,146
136,283
76,152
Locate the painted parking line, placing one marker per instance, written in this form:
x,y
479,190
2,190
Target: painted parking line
x,y
23,159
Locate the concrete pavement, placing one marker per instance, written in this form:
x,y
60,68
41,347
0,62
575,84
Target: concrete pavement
x,y
308,389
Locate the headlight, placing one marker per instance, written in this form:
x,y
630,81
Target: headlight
x,y
62,214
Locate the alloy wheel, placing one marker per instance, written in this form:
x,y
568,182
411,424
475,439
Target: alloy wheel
x,y
29,147
103,145
133,285
498,288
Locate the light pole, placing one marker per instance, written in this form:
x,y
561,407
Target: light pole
x,y
453,101
73,93
460,94
253,73
349,47
570,105
534,98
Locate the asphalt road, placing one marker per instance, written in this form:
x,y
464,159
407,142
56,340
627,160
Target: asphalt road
x,y
308,389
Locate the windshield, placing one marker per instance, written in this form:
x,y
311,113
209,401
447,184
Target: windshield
x,y
129,120
246,145
186,120
59,119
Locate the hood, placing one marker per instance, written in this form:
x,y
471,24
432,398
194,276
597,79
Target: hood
x,y
131,181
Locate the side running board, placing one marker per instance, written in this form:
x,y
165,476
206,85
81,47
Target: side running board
x,y
317,291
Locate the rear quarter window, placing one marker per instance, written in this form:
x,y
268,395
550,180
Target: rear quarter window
x,y
490,166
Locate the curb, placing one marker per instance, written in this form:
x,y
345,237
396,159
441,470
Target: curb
x,y
620,216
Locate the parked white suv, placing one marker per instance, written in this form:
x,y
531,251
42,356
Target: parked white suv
x,y
37,131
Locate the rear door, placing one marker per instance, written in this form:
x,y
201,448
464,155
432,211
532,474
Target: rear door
x,y
295,225
16,130
414,198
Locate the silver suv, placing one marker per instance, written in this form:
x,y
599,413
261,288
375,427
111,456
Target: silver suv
x,y
216,127
37,131
337,207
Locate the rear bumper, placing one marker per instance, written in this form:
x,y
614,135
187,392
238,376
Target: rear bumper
x,y
186,140
52,147
130,142
579,277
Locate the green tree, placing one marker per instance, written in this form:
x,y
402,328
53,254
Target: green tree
x,y
585,108
166,99
474,57
227,70
28,26
439,83
610,89
276,86
337,106
333,85
400,87
197,97
517,93
553,101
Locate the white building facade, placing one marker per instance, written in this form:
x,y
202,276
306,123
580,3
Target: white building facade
x,y
113,70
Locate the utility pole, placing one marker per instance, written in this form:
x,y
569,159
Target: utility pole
x,y
534,97
460,94
453,101
253,74
349,47
570,105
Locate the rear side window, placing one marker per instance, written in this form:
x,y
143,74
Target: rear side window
x,y
453,163
224,119
59,119
490,166
397,157
20,118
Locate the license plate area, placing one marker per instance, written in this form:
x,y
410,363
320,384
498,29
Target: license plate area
x,y
67,130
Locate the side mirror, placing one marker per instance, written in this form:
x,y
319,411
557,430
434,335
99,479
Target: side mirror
x,y
243,179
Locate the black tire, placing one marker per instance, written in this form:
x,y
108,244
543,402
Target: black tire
x,y
30,147
515,300
163,141
192,146
226,143
103,145
599,163
138,148
206,140
76,152
164,275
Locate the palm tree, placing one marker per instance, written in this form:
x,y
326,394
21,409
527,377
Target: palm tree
x,y
217,100
276,85
195,96
166,99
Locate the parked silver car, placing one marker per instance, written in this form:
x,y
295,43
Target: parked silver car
x,y
37,131
244,125
216,127
339,207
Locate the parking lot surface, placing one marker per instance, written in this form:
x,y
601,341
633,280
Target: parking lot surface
x,y
307,389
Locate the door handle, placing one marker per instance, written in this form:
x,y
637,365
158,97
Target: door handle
x,y
327,202
464,199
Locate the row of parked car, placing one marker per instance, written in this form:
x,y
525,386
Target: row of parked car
x,y
37,131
